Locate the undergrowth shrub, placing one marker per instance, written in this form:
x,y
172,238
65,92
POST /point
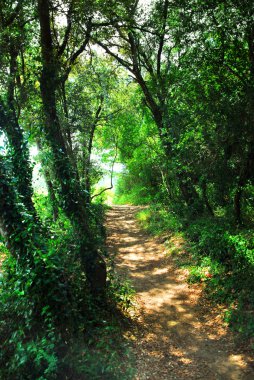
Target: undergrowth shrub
x,y
51,327
130,191
157,219
231,279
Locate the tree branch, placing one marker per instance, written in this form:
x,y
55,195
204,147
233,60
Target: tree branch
x,y
235,73
83,45
14,14
162,36
122,61
67,33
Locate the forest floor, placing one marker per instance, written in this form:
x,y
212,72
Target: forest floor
x,y
178,334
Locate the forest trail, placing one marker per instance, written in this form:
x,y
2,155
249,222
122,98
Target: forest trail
x,y
178,335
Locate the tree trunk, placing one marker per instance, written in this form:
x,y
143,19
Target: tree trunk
x,y
245,174
205,197
87,169
50,187
237,205
72,198
9,124
16,229
22,170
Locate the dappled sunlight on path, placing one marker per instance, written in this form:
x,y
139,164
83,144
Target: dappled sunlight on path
x,y
178,337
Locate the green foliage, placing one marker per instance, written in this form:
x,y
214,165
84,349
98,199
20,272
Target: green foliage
x,y
32,358
205,270
50,323
43,207
210,237
120,292
231,269
105,356
130,191
158,219
28,336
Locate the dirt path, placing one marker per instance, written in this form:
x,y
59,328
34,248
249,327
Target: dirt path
x,y
179,338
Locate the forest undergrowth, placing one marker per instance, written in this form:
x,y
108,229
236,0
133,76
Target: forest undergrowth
x,y
51,326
